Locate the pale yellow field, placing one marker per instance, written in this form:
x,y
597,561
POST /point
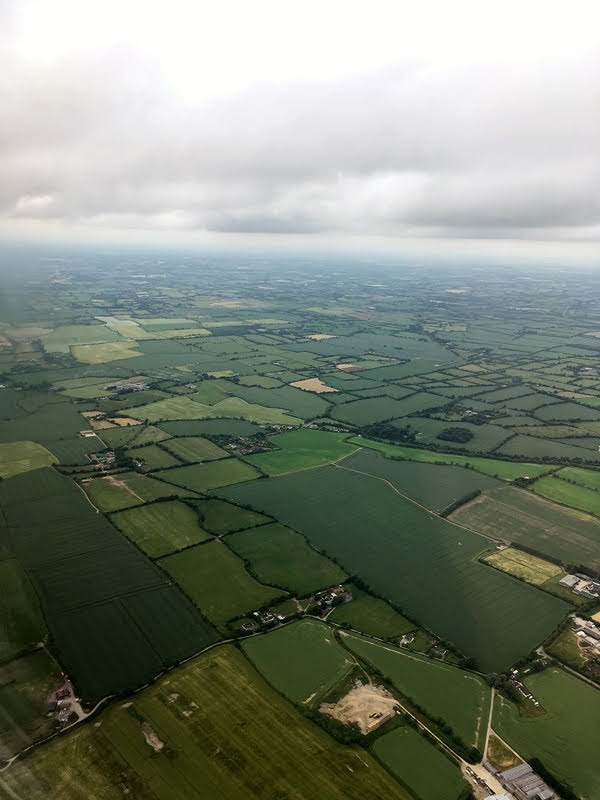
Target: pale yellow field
x,y
319,337
523,565
16,457
313,385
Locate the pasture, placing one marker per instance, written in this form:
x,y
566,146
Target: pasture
x,y
281,557
420,765
161,528
371,615
302,449
566,743
422,564
461,699
217,581
126,489
16,457
225,734
22,624
220,517
511,514
303,661
102,353
504,470
568,494
194,448
202,477
183,408
153,457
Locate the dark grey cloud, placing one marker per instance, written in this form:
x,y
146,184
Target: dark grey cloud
x,y
102,138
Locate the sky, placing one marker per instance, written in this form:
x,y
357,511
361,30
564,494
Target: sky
x,y
432,126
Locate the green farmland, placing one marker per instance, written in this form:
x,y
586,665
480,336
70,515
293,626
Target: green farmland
x,y
220,517
302,449
21,622
371,615
563,741
126,489
202,477
19,457
514,515
420,765
568,494
216,580
224,733
400,551
303,661
194,448
281,557
460,698
161,528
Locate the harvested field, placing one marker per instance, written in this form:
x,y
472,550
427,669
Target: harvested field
x,y
368,706
524,566
17,457
319,337
313,385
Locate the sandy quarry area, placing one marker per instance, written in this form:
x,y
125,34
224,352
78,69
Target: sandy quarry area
x,y
313,385
369,706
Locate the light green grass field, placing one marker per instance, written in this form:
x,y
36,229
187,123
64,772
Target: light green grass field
x,y
302,661
161,528
371,615
566,736
420,765
194,448
225,734
505,470
102,353
568,494
202,477
183,408
22,624
153,457
16,457
281,557
302,449
126,489
216,580
460,698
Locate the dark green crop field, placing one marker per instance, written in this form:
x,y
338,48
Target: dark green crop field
x,y
21,622
220,517
202,477
281,557
423,564
433,486
105,603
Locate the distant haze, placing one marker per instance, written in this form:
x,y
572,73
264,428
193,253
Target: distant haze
x,y
431,125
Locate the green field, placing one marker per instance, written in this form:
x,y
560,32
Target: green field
x,y
431,485
126,489
101,353
371,615
182,408
461,699
153,457
211,427
420,765
225,734
302,449
565,742
16,457
568,494
25,684
161,528
514,515
281,557
216,580
60,340
220,517
194,448
112,615
21,622
505,470
202,477
303,661
422,564
365,412
583,477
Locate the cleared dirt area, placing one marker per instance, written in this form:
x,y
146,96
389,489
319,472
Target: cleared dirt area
x,y
92,414
348,367
369,706
319,337
313,385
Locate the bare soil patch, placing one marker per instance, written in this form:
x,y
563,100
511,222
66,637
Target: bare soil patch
x,y
348,367
319,337
313,385
369,706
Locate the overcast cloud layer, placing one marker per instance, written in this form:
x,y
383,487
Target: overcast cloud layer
x,y
476,121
